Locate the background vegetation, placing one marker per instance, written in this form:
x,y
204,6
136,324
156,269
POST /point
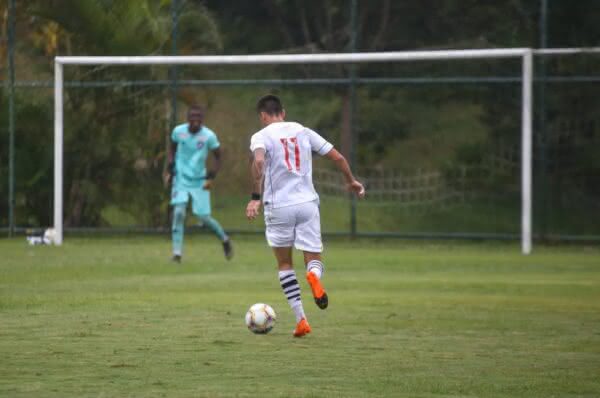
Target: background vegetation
x,y
115,134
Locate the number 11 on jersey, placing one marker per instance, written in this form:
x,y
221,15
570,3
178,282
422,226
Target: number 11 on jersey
x,y
294,142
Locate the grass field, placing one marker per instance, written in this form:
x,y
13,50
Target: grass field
x,y
113,317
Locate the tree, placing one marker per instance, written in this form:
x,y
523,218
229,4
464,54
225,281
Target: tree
x,y
114,135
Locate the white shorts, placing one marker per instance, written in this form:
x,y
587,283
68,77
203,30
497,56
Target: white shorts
x,y
298,225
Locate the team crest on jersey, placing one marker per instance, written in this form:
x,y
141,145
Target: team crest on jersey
x,y
201,142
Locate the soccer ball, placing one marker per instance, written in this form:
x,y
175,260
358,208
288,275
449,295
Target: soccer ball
x,y
50,236
260,318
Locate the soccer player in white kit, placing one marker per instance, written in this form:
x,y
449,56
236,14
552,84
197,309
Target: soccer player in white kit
x,y
282,178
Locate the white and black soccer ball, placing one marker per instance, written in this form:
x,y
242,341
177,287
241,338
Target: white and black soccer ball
x,y
260,318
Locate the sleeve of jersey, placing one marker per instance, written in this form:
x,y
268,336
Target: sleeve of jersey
x,y
213,142
257,141
319,144
174,136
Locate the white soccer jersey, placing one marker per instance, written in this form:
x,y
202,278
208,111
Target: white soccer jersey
x,y
288,162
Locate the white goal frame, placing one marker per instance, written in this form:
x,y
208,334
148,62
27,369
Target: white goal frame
x,y
525,54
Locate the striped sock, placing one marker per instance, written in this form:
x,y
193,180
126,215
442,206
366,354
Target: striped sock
x,y
316,267
291,289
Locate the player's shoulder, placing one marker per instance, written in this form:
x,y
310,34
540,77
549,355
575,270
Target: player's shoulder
x,y
181,128
294,125
264,132
208,131
180,132
259,136
297,128
282,127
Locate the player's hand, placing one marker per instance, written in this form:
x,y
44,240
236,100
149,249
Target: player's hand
x,y
253,209
208,184
167,178
357,188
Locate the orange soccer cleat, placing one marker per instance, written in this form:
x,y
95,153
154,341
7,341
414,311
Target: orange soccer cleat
x,y
318,292
302,328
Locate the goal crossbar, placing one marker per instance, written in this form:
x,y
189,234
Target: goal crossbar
x,y
525,54
394,56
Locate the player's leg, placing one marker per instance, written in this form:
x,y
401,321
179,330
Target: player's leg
x,y
291,288
280,236
201,208
179,200
314,272
308,239
212,224
177,230
314,263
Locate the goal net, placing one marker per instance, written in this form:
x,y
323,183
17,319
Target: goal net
x,y
441,139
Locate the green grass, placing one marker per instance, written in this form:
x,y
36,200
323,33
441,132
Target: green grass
x,y
112,317
481,215
379,217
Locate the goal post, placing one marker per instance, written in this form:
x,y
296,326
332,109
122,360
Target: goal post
x,y
526,151
58,151
525,54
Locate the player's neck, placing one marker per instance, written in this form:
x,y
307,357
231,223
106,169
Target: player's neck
x,y
275,119
195,132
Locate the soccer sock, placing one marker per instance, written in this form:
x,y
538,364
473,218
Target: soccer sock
x,y
316,267
291,289
214,226
178,228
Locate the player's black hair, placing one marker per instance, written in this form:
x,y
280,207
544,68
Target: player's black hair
x,y
196,107
270,104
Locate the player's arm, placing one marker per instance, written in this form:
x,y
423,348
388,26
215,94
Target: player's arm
x,y
170,171
340,162
257,169
210,176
